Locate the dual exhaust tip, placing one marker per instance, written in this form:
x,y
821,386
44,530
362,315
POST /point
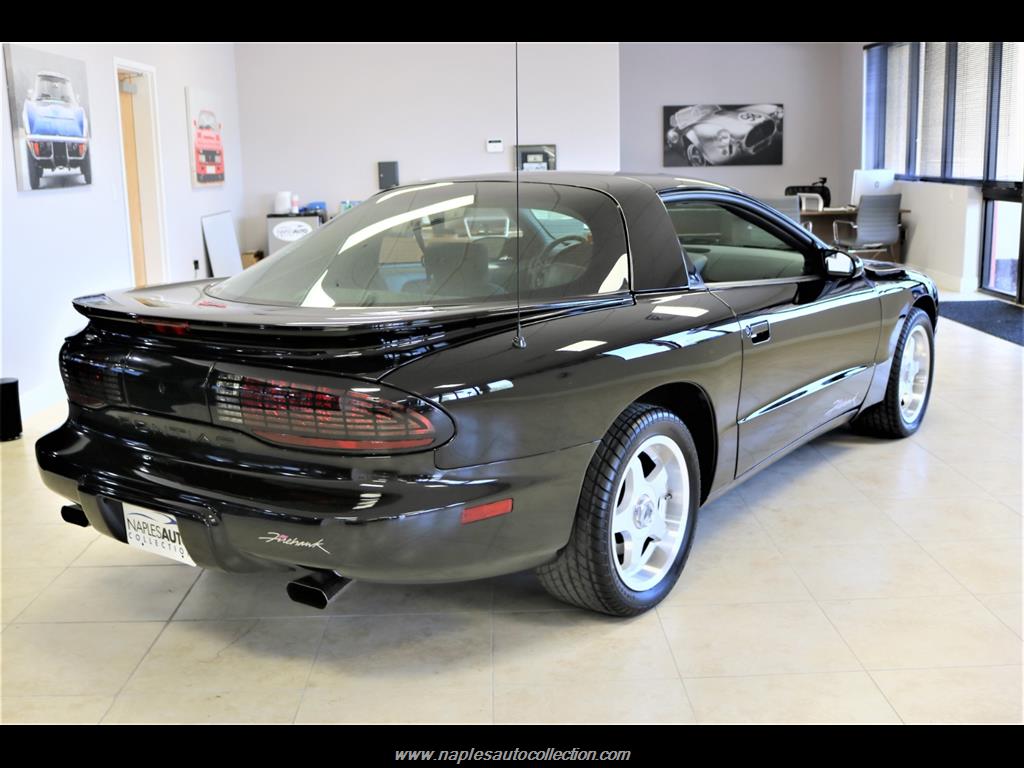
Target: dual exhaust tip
x,y
315,590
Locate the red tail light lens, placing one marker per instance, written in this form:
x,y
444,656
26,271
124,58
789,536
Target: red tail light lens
x,y
93,381
358,418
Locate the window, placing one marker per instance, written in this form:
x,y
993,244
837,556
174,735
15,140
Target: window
x,y
897,101
1010,158
931,106
445,244
726,245
945,111
971,108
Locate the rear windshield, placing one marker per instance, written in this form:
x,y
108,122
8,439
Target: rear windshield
x,y
448,243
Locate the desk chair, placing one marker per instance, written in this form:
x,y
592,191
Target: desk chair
x,y
788,206
811,201
877,227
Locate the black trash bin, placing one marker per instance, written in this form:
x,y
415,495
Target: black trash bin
x,y
10,410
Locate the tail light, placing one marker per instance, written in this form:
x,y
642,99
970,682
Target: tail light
x,y
93,381
328,414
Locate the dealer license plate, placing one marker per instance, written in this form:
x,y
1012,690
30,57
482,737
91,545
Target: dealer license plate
x,y
155,532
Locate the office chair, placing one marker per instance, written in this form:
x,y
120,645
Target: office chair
x,y
877,227
788,206
811,201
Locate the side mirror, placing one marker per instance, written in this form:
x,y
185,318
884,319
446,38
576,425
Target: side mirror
x,y
839,264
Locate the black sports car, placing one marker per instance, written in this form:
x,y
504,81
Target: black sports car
x,y
366,404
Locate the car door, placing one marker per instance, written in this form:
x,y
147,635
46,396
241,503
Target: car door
x,y
809,340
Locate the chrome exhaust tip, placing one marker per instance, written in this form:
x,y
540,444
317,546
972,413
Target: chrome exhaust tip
x,y
74,514
317,589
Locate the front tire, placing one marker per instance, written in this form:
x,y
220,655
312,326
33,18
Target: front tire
x,y
636,516
35,172
910,382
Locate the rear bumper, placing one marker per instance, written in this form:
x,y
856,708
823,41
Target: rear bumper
x,y
389,519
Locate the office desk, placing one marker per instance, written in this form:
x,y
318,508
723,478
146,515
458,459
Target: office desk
x,y
821,225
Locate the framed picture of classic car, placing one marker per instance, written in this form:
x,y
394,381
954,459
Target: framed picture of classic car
x,y
49,101
206,146
699,135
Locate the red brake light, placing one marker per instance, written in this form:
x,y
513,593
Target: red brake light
x,y
359,419
175,327
92,381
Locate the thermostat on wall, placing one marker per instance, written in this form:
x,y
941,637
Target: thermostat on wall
x,y
495,145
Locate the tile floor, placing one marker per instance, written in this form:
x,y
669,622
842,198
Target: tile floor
x,y
855,581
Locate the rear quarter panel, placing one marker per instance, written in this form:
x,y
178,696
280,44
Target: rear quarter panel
x,y
510,403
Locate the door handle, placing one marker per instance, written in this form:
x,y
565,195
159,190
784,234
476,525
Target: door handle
x,y
759,333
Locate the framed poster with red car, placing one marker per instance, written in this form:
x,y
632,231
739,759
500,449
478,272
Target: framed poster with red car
x,y
206,146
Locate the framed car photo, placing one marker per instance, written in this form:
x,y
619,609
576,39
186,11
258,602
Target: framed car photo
x,y
699,135
49,101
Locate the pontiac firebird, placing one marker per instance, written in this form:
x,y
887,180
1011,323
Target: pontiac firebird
x,y
474,377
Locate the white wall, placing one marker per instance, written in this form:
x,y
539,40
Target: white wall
x,y
316,119
944,229
818,83
58,244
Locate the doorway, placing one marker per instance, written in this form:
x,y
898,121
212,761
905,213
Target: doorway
x,y
140,154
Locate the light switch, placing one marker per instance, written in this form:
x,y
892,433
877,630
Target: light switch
x,y
495,145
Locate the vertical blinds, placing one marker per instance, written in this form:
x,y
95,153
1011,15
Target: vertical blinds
x,y
1010,154
897,91
972,63
951,139
931,107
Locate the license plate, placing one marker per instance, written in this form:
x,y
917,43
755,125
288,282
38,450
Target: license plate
x,y
155,532
211,169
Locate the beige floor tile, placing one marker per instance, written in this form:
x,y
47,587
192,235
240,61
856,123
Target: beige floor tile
x,y
523,592
46,546
729,523
177,707
107,551
115,593
655,701
390,701
984,567
1013,502
804,475
871,569
747,574
72,659
572,647
217,595
20,586
800,524
54,710
365,598
835,697
953,519
920,476
428,649
248,655
999,477
969,695
923,632
1007,608
754,639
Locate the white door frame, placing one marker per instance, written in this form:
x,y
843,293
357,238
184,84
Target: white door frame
x,y
150,73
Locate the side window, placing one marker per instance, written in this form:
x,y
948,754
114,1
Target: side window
x,y
727,247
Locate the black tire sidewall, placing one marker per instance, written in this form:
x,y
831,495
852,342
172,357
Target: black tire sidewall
x,y
916,318
671,426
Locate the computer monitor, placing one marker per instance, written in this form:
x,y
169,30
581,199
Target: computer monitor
x,y
871,182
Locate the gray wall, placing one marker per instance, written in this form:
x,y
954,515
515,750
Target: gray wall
x,y
819,85
317,118
58,244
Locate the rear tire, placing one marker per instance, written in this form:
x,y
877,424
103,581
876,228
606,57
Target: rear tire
x,y
636,516
35,172
902,410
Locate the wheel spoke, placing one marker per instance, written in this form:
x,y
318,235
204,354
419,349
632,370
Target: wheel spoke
x,y
631,481
658,481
